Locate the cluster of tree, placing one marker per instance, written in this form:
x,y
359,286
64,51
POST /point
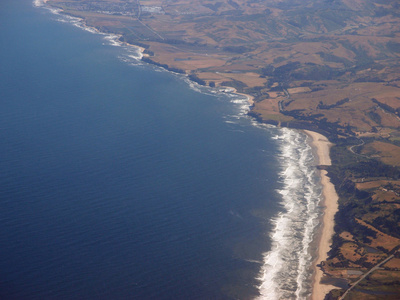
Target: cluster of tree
x,y
321,105
374,117
298,115
364,263
233,4
386,107
374,168
389,224
236,49
259,118
193,77
345,220
165,66
355,203
299,71
235,84
336,59
369,79
283,73
394,47
332,128
213,7
258,92
312,71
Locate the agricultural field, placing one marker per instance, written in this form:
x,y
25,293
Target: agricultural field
x,y
329,66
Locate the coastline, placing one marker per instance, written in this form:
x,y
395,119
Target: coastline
x,y
330,202
321,145
92,43
141,50
271,111
250,99
115,38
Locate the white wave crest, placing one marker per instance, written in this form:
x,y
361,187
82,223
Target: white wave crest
x,y
39,3
243,105
111,39
286,270
193,85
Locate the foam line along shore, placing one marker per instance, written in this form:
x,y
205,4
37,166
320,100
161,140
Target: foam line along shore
x,y
131,162
287,268
330,198
297,224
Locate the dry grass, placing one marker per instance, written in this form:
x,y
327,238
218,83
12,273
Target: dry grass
x,y
383,240
193,36
385,276
369,185
251,79
386,152
347,236
394,263
299,90
385,195
351,251
204,27
381,190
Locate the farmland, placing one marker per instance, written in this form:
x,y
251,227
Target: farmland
x,y
329,66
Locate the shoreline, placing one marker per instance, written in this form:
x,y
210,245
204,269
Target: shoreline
x,y
321,145
250,99
328,202
141,50
330,198
84,26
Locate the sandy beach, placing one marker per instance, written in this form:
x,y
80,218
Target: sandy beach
x,y
330,198
250,98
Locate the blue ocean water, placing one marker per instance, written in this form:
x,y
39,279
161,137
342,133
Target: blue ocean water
x,y
120,181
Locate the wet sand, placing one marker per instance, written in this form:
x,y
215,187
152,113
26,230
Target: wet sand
x,y
322,145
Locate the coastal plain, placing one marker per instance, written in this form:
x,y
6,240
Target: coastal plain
x,y
327,66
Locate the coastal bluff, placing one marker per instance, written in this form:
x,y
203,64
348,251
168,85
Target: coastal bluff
x,y
327,66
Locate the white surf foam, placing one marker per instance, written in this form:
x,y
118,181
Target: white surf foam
x,y
193,85
286,269
38,3
134,55
110,39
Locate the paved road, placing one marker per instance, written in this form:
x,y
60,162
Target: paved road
x,y
352,147
366,274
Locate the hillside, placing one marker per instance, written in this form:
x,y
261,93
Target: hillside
x,y
330,66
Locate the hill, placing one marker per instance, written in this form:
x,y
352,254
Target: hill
x,y
331,66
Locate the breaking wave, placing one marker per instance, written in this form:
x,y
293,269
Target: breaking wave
x,y
133,53
287,268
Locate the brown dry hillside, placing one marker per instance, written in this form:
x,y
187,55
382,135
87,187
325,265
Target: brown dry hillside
x,y
327,65
338,49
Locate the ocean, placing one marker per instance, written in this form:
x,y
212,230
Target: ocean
x,y
120,180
